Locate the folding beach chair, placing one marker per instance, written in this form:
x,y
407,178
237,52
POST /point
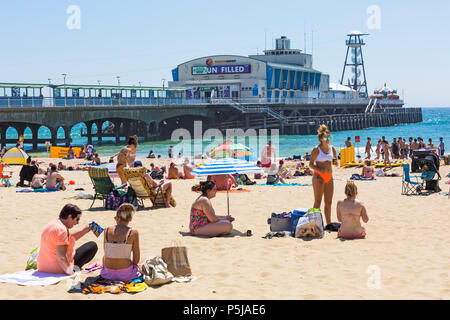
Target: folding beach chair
x,y
103,185
4,178
136,179
410,187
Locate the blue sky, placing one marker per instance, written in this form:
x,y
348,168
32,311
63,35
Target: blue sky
x,y
144,40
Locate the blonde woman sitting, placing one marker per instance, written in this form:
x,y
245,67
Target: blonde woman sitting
x,y
121,245
350,211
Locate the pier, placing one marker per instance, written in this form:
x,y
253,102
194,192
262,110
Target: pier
x,y
158,120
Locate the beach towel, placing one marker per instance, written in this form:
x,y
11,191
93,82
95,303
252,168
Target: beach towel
x,y
98,285
34,278
230,191
359,177
36,190
285,184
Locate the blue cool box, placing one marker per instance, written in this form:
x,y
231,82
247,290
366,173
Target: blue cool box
x,y
296,214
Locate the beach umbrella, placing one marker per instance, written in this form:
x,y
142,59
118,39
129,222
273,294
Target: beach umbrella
x,y
226,166
15,156
227,149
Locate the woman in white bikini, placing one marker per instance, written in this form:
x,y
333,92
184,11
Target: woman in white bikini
x,y
322,158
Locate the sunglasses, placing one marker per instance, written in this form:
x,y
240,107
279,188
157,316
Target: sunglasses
x,y
327,138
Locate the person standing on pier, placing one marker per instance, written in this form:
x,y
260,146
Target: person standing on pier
x,y
322,158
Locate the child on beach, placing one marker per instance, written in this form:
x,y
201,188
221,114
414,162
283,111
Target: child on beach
x,y
349,213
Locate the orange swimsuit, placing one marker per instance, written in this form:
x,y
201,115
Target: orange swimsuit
x,y
325,176
322,157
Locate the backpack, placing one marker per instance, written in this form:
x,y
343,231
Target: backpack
x,y
115,199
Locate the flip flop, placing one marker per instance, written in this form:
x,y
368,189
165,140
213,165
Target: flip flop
x,y
135,287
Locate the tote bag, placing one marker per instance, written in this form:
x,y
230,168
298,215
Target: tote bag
x,y
177,261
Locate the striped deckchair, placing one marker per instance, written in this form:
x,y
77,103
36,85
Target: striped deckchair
x,y
103,185
136,179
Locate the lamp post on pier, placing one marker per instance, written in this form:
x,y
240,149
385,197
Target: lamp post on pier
x,y
65,89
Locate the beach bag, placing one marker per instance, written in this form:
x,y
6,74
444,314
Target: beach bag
x,y
310,225
155,272
278,223
115,199
177,261
296,214
132,196
32,259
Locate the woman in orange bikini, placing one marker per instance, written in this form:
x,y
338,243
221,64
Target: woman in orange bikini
x,y
203,219
322,158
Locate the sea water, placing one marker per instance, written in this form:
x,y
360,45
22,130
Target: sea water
x,y
435,124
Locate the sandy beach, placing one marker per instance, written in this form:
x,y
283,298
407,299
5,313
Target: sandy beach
x,y
406,243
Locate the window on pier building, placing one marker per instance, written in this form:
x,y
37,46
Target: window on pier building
x,y
277,78
299,80
285,79
291,79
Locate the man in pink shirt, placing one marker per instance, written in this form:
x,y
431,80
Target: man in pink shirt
x,y
56,253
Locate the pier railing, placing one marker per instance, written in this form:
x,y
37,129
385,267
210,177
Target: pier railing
x,y
156,101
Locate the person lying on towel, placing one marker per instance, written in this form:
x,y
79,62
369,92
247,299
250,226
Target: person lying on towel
x,y
368,171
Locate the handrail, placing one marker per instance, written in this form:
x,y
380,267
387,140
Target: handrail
x,y
157,101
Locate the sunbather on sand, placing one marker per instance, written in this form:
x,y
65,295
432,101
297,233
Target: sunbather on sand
x,y
54,180
203,219
349,213
187,168
120,243
166,186
61,166
221,181
173,172
38,179
273,176
368,171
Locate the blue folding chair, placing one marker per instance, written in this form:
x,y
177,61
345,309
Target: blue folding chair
x,y
410,187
